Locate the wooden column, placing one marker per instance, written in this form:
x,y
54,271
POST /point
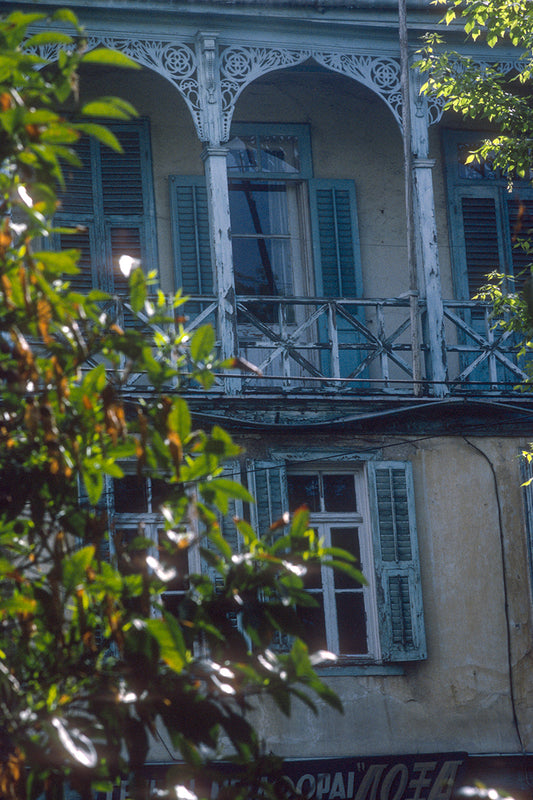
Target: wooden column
x,y
427,255
214,158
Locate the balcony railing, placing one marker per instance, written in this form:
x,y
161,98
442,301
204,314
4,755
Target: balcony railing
x,y
313,345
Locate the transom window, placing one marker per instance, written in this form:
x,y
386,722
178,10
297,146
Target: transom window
x,y
344,620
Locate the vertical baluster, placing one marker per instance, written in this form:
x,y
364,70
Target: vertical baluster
x,y
384,359
285,357
333,336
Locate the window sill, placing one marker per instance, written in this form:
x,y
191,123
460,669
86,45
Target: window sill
x,y
342,669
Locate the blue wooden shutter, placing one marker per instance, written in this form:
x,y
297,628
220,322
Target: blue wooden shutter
x,y
335,238
267,481
190,230
398,586
110,200
337,263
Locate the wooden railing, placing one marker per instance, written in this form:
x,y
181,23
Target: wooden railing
x,y
363,346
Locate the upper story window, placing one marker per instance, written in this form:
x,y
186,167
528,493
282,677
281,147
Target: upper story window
x,y
488,223
268,209
291,233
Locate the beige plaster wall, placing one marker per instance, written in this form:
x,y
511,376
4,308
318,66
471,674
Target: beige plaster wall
x,y
459,699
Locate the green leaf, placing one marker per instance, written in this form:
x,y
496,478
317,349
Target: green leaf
x,y
202,343
137,290
75,568
102,108
48,37
231,489
168,634
179,419
102,55
101,133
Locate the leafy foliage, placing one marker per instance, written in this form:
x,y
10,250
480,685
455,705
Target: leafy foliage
x,y
92,664
482,88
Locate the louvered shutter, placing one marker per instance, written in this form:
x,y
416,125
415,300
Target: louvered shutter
x,y
335,238
480,228
520,221
267,481
110,201
190,229
337,262
398,585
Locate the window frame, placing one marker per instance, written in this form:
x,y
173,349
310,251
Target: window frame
x,y
400,628
494,188
324,521
302,277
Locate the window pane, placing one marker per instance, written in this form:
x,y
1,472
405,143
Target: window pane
x,y
130,495
242,155
313,577
280,154
303,490
348,539
313,625
262,266
339,493
258,208
351,623
161,491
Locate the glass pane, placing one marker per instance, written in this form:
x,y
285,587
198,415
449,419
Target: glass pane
x,y
303,490
351,624
313,577
130,495
242,155
280,154
339,493
313,625
348,539
161,491
180,562
262,267
258,208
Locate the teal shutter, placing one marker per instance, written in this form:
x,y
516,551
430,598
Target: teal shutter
x,y
110,201
337,264
190,231
335,238
232,471
481,246
398,585
267,481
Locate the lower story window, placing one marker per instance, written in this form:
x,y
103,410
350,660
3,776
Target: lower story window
x,y
368,510
344,620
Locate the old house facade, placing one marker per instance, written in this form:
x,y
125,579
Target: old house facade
x,y
266,177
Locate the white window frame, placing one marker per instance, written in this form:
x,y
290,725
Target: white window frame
x,y
153,522
323,522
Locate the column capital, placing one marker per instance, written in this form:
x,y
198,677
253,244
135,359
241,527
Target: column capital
x,y
214,150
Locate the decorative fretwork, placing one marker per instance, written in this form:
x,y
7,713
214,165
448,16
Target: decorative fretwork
x,y
379,73
239,66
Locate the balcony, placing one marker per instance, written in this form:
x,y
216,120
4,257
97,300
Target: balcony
x,y
338,347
